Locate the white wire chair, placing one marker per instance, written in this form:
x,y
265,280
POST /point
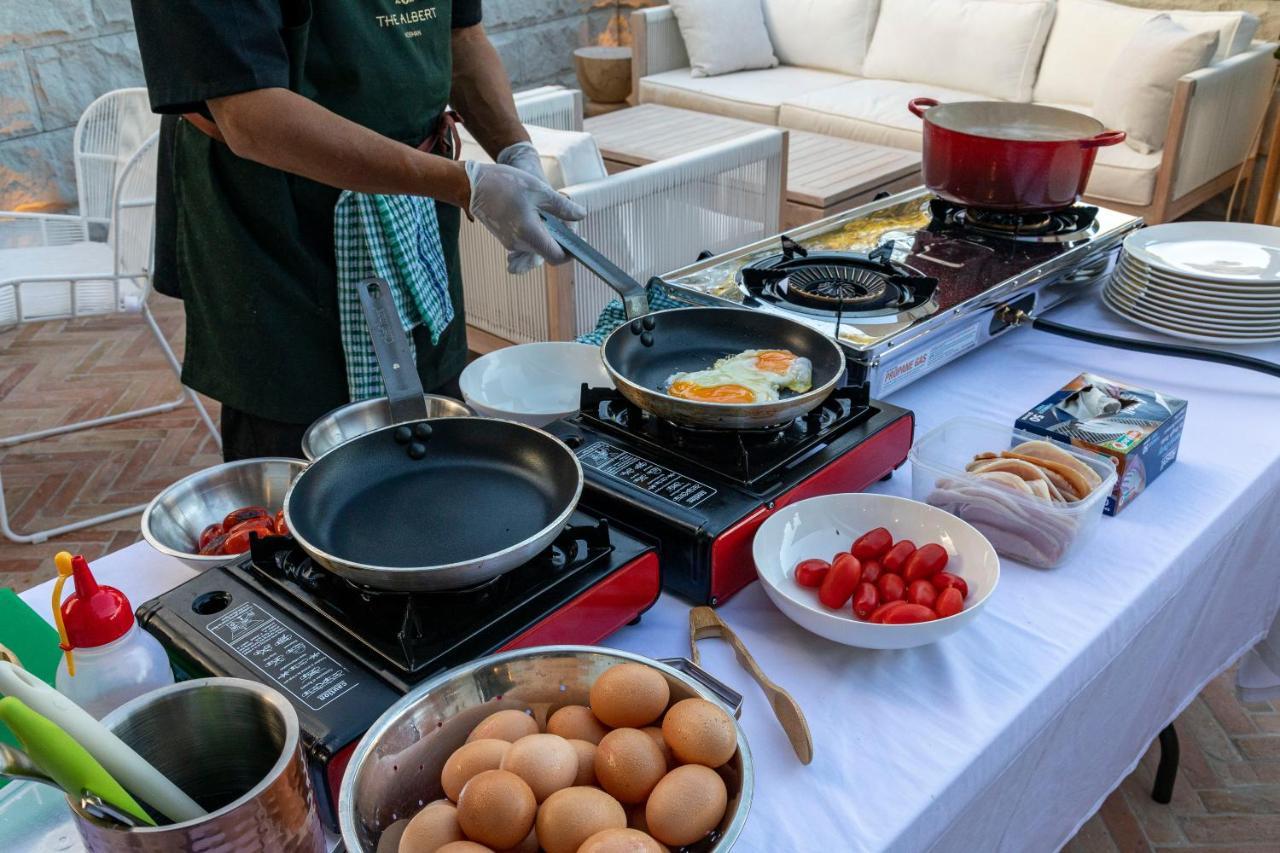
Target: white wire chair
x,y
46,275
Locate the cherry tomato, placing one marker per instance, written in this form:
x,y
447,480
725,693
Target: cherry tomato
x,y
908,614
214,546
949,603
897,556
926,562
238,536
865,600
922,592
872,545
946,580
244,513
812,572
871,570
841,581
891,587
885,609
282,526
213,531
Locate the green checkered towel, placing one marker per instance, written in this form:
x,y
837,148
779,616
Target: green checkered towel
x,y
395,238
614,315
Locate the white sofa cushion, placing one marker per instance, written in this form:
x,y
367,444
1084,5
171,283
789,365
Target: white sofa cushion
x,y
724,35
568,157
872,111
1088,36
751,95
991,47
832,35
1138,93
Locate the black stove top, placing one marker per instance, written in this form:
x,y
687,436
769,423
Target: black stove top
x,y
746,457
1066,225
839,284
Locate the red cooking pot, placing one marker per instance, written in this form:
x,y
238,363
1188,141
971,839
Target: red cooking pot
x,y
1005,156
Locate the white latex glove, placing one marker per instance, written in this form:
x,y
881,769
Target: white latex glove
x,y
507,200
523,156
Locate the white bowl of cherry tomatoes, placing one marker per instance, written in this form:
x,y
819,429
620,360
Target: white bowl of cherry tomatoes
x,y
210,517
875,571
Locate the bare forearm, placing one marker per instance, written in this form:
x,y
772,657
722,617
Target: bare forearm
x,y
284,130
482,92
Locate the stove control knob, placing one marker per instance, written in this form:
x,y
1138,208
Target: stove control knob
x,y
417,450
403,435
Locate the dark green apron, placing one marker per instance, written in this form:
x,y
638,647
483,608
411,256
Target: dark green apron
x,y
254,252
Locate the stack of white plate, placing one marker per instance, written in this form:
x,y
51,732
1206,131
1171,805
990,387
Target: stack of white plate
x,y
1217,282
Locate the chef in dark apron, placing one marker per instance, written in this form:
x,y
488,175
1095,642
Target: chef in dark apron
x,y
271,109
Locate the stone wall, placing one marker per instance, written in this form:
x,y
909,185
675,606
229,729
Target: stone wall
x,y
56,56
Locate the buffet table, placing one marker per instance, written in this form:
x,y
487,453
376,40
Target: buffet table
x,y
1008,735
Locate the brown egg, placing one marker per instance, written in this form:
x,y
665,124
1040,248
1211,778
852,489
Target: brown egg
x,y
496,808
529,845
431,828
699,732
656,733
509,725
546,763
586,752
688,803
628,764
469,759
464,847
629,695
572,815
389,840
621,841
576,722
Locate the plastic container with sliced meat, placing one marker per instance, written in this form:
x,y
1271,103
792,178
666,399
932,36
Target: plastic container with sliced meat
x,y
1028,504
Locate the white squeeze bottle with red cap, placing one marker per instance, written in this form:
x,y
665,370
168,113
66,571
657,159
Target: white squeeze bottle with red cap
x,y
109,659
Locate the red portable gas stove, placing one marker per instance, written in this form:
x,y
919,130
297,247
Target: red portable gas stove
x,y
701,493
343,653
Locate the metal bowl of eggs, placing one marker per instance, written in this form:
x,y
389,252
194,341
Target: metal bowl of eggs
x,y
558,748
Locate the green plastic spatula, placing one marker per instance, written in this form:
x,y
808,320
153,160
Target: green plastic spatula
x,y
64,760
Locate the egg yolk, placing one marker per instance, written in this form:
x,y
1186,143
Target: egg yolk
x,y
775,360
712,393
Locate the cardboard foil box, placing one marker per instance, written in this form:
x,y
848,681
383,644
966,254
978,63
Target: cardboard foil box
x,y
1138,428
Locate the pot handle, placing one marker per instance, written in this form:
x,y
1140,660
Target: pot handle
x,y
1102,140
919,105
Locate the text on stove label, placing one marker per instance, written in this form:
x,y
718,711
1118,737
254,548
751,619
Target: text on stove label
x,y
299,668
649,476
945,350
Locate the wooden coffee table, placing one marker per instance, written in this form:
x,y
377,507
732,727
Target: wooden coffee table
x,y
825,174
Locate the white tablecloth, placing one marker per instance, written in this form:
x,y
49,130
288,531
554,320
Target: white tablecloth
x,y
1008,735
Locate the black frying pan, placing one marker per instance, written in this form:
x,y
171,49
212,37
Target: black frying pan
x,y
434,504
641,355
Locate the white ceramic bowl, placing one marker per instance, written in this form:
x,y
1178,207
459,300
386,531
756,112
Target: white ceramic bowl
x,y
533,383
823,526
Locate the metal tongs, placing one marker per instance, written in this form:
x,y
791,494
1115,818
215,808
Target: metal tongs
x,y
705,622
635,300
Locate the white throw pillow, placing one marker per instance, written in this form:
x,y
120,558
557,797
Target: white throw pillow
x,y
724,35
1235,29
1138,93
832,35
991,47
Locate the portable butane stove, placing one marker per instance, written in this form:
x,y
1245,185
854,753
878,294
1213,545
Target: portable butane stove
x,y
702,493
912,282
343,654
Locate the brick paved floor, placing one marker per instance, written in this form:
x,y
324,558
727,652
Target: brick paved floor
x,y
1227,797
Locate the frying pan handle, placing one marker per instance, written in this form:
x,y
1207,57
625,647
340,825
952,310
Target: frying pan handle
x,y
1102,140
919,105
399,373
634,300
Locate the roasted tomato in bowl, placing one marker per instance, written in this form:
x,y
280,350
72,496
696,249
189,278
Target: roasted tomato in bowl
x,y
923,574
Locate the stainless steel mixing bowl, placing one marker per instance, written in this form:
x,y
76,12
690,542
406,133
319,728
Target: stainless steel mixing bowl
x,y
173,520
395,770
354,419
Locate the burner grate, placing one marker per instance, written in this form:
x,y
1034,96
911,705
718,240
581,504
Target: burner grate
x,y
836,286
1055,226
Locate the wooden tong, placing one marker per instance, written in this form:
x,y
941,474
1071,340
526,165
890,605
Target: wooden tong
x,y
705,622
